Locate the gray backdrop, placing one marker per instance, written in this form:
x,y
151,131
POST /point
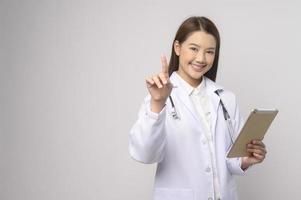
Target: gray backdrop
x,y
72,80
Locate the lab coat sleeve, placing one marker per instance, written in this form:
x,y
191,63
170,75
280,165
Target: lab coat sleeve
x,y
234,164
147,136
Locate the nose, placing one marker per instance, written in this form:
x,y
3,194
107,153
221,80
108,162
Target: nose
x,y
201,57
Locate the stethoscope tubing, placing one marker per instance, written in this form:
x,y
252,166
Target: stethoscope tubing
x,y
225,112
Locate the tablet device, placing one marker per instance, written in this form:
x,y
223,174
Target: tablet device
x,y
255,127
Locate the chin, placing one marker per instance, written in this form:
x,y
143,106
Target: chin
x,y
197,75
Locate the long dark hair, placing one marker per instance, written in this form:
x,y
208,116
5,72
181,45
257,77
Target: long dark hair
x,y
190,25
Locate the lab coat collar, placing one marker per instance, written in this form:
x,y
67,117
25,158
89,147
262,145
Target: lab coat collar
x,y
182,91
211,86
187,87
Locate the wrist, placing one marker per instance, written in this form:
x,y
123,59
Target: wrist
x,y
245,164
157,105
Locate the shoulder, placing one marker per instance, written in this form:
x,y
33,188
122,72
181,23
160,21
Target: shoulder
x,y
213,86
230,102
227,96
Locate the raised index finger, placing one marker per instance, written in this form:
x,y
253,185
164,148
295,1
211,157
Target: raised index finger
x,y
164,64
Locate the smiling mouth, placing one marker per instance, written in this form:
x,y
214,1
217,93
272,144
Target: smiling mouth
x,y
198,67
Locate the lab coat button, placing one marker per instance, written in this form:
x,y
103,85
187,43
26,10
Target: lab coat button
x,y
208,169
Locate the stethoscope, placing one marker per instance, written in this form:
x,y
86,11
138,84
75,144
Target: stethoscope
x,y
227,117
174,113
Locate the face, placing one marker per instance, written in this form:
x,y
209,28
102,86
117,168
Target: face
x,y
196,56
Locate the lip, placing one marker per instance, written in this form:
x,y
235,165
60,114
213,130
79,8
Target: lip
x,y
198,67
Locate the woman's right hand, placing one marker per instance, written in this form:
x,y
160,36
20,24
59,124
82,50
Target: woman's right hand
x,y
159,87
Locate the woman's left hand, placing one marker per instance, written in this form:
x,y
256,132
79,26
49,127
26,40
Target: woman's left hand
x,y
257,152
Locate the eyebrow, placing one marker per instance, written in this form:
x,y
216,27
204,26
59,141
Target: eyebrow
x,y
211,48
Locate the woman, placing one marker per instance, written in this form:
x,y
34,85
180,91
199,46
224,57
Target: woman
x,y
181,124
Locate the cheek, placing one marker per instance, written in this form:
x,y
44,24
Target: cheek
x,y
185,58
186,54
211,58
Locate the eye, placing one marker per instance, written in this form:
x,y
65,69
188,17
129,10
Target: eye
x,y
211,52
194,49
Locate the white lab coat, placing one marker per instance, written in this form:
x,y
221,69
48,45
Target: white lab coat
x,y
180,148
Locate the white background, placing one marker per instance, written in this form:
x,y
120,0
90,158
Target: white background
x,y
72,80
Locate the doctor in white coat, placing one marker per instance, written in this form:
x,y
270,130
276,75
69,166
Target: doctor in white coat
x,y
181,124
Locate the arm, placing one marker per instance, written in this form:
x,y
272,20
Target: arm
x,y
256,148
147,136
235,164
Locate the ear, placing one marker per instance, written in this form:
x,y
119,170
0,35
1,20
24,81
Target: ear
x,y
177,47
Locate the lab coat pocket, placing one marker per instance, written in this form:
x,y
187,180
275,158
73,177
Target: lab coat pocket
x,y
173,194
233,194
232,190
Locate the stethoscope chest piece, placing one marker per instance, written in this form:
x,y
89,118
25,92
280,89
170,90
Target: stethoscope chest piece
x,y
174,113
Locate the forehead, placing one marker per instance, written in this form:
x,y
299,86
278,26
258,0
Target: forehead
x,y
201,38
